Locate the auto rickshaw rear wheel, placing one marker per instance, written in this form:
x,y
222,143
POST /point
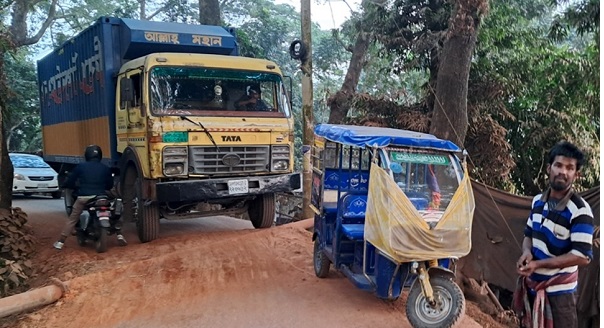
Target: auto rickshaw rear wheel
x,y
449,309
320,261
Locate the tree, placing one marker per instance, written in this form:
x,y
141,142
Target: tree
x,y
209,12
339,103
450,117
18,36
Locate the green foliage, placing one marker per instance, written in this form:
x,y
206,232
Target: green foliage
x,y
541,91
582,16
23,118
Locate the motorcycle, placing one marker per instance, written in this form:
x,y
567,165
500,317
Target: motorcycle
x,y
98,220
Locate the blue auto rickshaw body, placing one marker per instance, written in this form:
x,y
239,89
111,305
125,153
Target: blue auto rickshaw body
x,y
339,198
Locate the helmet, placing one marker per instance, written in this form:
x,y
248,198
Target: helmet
x,y
93,152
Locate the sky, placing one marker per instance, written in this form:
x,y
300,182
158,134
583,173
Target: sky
x,y
327,13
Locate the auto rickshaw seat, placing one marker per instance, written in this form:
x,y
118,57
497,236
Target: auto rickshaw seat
x,y
352,215
354,231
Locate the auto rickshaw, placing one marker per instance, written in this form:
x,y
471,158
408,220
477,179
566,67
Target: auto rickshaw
x,y
393,210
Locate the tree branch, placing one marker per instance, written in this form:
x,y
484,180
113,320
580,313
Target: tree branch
x,y
49,20
6,6
158,11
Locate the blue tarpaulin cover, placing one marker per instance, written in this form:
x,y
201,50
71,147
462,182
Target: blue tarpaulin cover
x,y
366,136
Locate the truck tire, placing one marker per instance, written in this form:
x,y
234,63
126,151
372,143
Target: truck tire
x,y
145,214
449,310
262,211
147,221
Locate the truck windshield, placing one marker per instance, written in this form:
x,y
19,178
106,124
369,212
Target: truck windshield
x,y
433,177
206,91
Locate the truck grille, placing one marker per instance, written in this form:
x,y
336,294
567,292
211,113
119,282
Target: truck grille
x,y
228,160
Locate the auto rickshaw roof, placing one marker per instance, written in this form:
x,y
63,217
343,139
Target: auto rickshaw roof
x,y
368,136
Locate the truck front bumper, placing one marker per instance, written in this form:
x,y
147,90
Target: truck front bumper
x,y
199,190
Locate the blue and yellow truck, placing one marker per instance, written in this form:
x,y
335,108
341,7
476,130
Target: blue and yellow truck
x,y
189,127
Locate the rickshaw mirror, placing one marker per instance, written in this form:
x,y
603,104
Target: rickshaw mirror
x,y
464,154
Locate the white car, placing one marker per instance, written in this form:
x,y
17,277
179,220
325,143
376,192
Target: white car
x,y
33,175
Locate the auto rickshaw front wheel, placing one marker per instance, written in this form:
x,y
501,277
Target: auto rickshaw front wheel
x,y
320,261
448,310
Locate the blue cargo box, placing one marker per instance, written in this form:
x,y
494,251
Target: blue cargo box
x,y
77,80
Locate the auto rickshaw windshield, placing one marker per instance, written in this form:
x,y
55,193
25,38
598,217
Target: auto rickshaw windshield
x,y
433,176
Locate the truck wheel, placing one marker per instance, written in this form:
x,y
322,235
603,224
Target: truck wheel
x,y
449,309
320,261
262,211
147,216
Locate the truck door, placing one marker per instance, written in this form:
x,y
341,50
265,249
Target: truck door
x,y
129,116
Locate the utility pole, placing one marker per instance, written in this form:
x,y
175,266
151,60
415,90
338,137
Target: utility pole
x,y
307,108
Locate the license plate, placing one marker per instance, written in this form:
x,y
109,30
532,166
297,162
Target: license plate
x,y
42,185
238,187
103,214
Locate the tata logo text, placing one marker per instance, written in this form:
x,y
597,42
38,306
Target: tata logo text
x,y
231,138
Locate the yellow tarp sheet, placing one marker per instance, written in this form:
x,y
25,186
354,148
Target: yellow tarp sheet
x,y
395,227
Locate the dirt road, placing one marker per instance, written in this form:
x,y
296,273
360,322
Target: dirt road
x,y
211,272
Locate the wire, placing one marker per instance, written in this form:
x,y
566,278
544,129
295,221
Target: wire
x,y
333,19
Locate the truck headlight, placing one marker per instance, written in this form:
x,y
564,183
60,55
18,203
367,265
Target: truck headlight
x,y
174,169
280,165
280,156
175,161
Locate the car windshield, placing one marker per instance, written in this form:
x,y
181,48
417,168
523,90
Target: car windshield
x,y
204,91
26,162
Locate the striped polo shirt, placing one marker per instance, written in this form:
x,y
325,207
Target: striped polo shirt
x,y
566,228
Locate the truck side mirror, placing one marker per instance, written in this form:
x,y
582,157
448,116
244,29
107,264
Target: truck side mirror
x,y
126,90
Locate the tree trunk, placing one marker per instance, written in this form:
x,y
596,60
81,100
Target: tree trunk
x,y
209,12
7,170
450,116
339,102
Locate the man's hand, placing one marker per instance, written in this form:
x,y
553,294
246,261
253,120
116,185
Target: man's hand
x,y
526,257
528,269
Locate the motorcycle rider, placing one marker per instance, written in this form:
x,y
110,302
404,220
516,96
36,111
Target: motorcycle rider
x,y
94,179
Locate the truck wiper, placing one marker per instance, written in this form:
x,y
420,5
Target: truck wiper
x,y
182,117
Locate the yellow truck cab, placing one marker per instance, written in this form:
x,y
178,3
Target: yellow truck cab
x,y
193,129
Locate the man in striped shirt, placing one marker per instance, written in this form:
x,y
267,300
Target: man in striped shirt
x,y
557,239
